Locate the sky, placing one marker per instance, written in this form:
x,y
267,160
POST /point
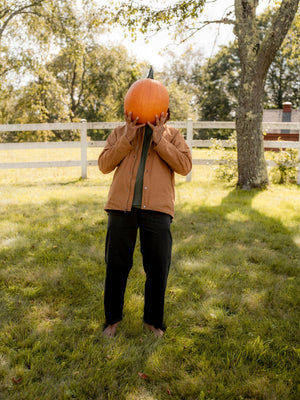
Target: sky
x,y
207,40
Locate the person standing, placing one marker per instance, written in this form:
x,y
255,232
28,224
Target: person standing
x,y
141,198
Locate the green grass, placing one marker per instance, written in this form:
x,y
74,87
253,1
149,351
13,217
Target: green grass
x,y
232,302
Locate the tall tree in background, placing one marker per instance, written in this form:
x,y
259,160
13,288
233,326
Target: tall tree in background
x,y
255,54
96,79
26,25
33,31
178,77
216,80
89,84
283,79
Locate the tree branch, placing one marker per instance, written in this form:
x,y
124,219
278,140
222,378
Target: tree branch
x,y
82,81
17,12
204,24
276,33
246,31
4,12
227,21
72,90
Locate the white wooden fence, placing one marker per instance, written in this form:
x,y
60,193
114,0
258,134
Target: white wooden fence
x,y
83,144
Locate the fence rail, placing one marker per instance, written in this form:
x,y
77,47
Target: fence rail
x,y
84,144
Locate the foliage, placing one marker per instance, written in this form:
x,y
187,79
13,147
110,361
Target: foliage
x,y
139,17
96,80
177,75
227,170
180,100
213,84
217,80
89,84
283,79
255,54
232,304
286,170
41,22
67,76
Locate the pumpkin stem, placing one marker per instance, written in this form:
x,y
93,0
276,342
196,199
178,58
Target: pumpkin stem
x,y
150,73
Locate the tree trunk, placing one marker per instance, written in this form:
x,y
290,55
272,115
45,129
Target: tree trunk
x,y
256,58
252,169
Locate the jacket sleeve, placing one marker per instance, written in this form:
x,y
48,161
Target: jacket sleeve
x,y
116,148
175,153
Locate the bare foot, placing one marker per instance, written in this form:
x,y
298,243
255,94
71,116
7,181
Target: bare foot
x,y
110,330
158,332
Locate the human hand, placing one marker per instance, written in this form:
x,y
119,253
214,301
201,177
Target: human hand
x,y
158,129
131,126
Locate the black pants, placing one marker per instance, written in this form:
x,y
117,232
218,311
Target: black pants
x,y
156,246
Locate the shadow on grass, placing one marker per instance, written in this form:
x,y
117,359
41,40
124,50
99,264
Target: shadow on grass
x,y
231,307
233,287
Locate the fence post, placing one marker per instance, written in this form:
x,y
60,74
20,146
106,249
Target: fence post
x,y
189,140
83,143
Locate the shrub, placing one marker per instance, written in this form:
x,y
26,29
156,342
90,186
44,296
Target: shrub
x,y
227,170
286,170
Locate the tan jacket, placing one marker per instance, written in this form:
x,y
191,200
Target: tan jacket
x,y
170,155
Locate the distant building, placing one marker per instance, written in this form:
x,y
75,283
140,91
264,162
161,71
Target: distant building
x,y
287,114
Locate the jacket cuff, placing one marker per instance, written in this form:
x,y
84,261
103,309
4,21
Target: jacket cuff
x,y
160,143
125,142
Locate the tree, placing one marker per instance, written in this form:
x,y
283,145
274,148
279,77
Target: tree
x,y
87,84
31,31
202,88
96,79
215,87
216,80
255,54
41,100
177,76
256,57
39,21
283,79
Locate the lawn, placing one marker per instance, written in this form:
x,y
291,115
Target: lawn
x,y
232,302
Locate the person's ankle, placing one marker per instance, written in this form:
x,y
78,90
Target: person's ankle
x,y
157,331
110,330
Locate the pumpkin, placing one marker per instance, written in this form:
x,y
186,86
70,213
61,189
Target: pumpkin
x,y
146,98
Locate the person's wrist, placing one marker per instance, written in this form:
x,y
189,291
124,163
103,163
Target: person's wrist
x,y
157,135
130,135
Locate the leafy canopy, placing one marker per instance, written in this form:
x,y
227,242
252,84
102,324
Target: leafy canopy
x,y
140,17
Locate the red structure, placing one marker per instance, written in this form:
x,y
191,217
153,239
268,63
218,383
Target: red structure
x,y
287,114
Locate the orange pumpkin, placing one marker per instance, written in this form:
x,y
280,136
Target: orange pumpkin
x,y
146,98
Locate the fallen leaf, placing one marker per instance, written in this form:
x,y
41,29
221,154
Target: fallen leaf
x,y
142,375
169,392
17,380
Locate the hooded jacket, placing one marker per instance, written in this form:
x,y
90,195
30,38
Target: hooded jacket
x,y
171,154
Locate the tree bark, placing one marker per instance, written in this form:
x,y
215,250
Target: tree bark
x,y
252,169
256,58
